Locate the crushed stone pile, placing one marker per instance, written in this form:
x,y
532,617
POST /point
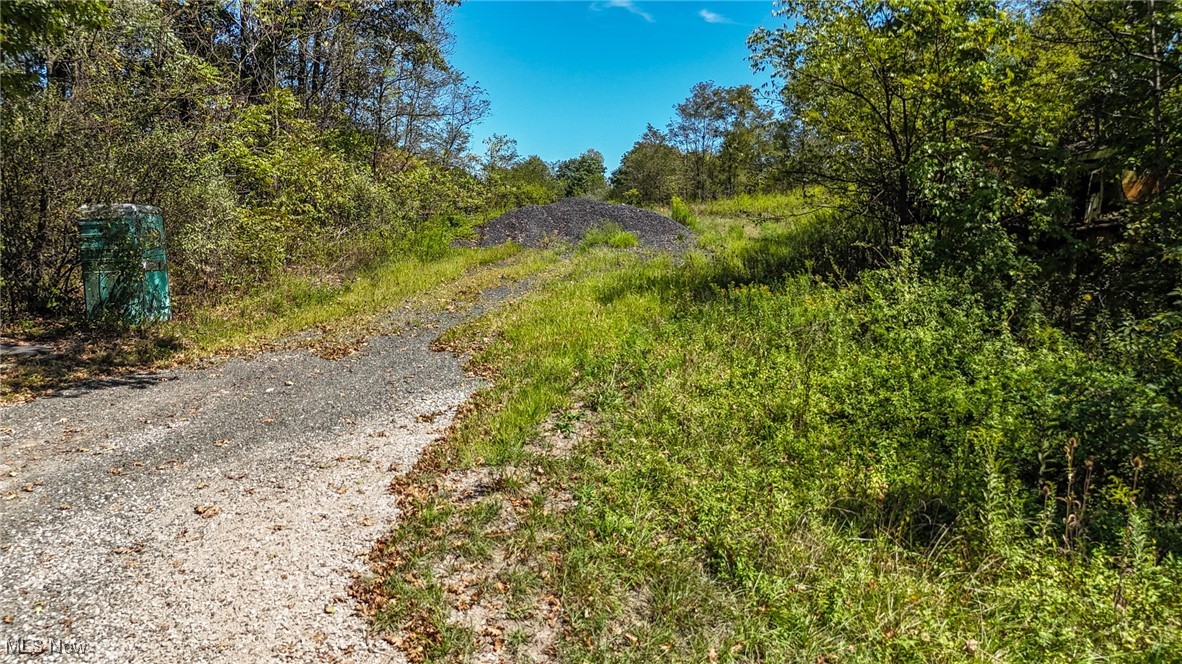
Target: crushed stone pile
x,y
570,218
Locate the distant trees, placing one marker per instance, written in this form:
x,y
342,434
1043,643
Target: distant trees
x,y
650,172
515,181
583,175
719,143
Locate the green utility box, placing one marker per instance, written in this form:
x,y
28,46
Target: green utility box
x,y
123,262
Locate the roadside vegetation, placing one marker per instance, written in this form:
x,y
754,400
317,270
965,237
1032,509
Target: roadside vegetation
x,y
783,467
310,161
916,399
915,396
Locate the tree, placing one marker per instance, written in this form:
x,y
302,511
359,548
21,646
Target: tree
x,y
698,130
583,175
651,168
29,27
271,132
882,85
746,147
500,154
724,138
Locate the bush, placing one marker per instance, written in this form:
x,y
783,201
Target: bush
x,y
681,213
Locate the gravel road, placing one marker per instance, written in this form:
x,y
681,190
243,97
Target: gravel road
x,y
214,515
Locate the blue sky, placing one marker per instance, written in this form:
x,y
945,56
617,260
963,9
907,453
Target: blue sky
x,y
564,76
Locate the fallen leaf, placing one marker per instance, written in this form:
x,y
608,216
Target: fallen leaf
x,y
115,470
28,488
267,420
8,619
63,506
207,511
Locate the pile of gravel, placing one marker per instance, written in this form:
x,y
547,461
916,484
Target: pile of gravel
x,y
570,218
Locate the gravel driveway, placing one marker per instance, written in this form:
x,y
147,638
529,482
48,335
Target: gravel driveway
x,y
214,515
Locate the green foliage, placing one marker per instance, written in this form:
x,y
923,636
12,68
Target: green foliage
x,y
220,118
583,175
791,469
528,181
609,234
649,172
29,27
681,213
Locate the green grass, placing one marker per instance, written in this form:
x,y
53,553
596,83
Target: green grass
x,y
789,468
294,304
275,311
762,207
609,234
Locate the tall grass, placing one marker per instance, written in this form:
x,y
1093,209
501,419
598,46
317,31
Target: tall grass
x,y
795,468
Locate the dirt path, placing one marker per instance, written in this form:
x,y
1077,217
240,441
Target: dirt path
x,y
214,515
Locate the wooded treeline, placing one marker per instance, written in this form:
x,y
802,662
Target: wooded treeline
x,y
1031,147
1023,155
272,133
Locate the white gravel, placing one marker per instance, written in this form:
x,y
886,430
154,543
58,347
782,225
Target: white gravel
x,y
105,558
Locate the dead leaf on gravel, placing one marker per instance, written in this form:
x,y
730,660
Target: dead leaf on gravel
x,y
267,420
115,470
63,506
367,521
8,619
221,443
207,511
28,488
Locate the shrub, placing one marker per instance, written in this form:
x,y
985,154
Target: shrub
x,y
681,213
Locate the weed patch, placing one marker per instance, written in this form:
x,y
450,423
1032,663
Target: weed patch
x,y
802,468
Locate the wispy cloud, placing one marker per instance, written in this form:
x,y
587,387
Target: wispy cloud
x,y
711,17
626,5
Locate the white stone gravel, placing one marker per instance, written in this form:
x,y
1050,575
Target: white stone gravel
x,y
104,558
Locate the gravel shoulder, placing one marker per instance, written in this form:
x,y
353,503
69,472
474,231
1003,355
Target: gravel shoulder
x,y
217,514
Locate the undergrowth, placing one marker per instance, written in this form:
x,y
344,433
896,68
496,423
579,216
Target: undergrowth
x,y
811,468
